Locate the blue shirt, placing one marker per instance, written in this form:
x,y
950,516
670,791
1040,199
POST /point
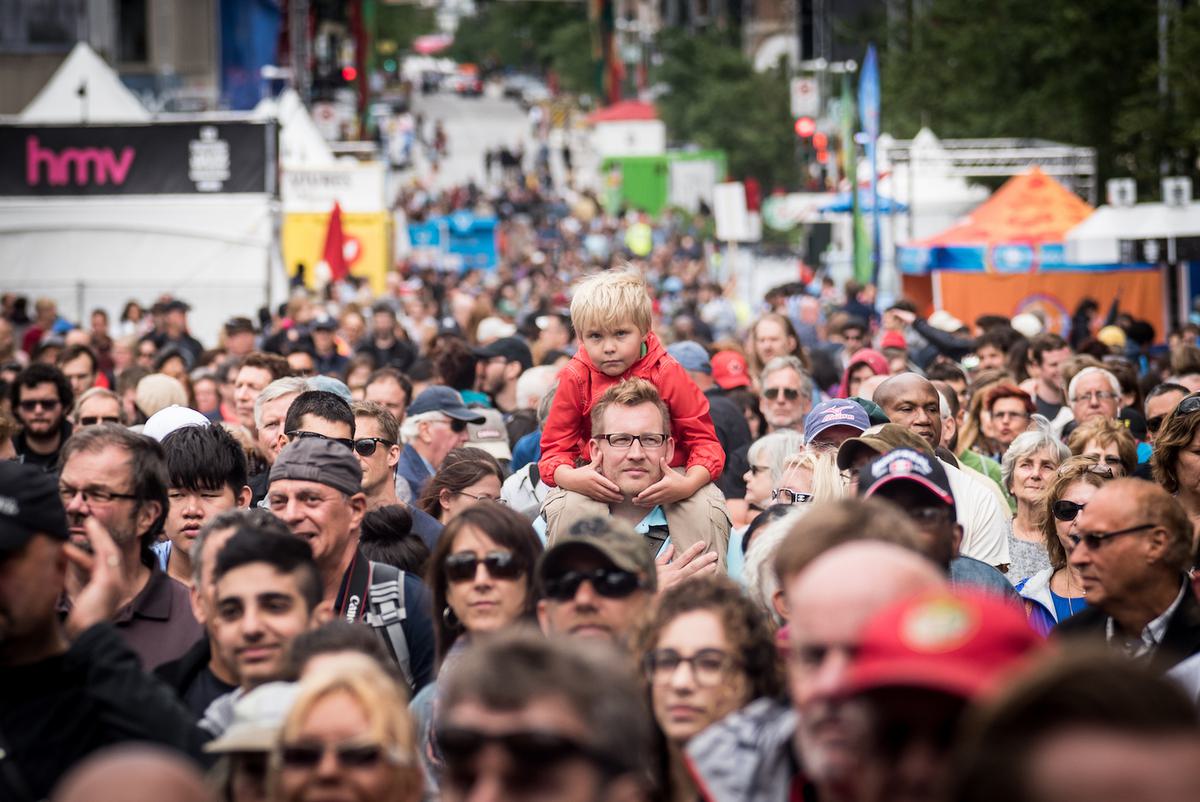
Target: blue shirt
x,y
1064,608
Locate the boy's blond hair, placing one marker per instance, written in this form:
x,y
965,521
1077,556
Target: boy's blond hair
x,y
606,300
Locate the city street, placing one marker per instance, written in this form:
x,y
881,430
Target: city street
x,y
473,125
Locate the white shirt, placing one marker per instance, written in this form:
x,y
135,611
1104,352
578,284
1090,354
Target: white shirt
x,y
1151,635
986,525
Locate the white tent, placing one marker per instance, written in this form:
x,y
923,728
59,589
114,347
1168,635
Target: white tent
x,y
300,143
84,90
1097,240
218,252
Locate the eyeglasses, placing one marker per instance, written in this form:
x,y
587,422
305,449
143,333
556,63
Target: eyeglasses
x,y
91,495
1103,471
1065,510
1153,424
1094,540
623,440
300,434
709,666
349,755
463,566
479,498
531,753
457,426
29,405
1188,405
365,446
93,420
611,583
789,393
785,496
1010,415
930,515
1097,396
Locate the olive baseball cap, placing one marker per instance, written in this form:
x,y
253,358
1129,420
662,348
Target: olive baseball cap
x,y
614,540
879,440
316,459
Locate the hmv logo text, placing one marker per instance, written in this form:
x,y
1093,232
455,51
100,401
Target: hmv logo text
x,y
78,166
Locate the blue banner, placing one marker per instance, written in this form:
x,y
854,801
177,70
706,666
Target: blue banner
x,y
460,241
249,41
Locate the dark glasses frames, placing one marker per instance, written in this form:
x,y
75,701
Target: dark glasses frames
x,y
611,583
31,404
349,755
785,496
531,752
1094,540
789,393
463,566
93,420
365,446
1066,510
300,434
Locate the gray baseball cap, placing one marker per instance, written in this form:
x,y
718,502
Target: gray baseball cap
x,y
316,459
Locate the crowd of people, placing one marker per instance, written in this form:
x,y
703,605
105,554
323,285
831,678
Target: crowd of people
x,y
581,529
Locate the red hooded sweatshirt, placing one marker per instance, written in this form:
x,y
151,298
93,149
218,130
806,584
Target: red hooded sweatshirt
x,y
580,384
863,356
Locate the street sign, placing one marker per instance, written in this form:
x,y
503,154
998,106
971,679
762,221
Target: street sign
x,y
735,223
806,97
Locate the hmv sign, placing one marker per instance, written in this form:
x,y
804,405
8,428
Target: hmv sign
x,y
163,158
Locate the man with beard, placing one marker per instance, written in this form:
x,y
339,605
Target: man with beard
x,y
120,479
41,396
500,364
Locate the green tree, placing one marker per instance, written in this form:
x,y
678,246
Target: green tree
x,y
529,36
402,23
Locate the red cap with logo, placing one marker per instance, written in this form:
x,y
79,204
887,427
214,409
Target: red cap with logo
x,y
958,643
729,370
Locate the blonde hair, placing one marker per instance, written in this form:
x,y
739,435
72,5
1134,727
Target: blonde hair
x,y
606,300
827,482
382,702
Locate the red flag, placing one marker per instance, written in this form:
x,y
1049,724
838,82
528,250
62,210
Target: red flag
x,y
335,246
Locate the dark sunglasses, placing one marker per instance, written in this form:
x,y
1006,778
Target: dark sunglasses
x,y
35,403
92,420
789,393
349,755
1066,510
463,566
365,446
457,425
300,434
611,583
531,753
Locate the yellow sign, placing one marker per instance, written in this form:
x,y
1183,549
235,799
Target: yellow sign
x,y
367,237
640,239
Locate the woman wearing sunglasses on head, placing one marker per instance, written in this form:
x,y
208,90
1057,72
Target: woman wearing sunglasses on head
x,y
706,653
467,476
480,576
1176,460
1056,593
348,735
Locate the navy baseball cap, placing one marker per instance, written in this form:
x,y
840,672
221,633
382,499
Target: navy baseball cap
x,y
906,465
835,412
29,505
443,399
691,355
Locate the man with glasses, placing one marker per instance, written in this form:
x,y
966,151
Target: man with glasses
x,y
524,717
1094,393
786,394
120,480
316,489
41,396
596,582
376,446
1159,403
435,425
1132,546
631,449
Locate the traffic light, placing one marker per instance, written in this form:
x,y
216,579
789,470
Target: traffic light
x,y
349,74
821,144
805,127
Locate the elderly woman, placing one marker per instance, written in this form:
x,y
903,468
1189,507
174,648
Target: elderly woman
x,y
1028,467
467,476
347,736
1109,441
1176,460
766,458
706,653
1056,592
809,476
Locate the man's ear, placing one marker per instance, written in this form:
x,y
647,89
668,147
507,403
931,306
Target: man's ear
x,y
669,450
358,509
198,611
244,496
543,617
958,536
393,457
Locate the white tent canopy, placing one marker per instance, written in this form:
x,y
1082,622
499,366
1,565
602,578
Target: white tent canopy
x,y
300,143
1097,240
84,89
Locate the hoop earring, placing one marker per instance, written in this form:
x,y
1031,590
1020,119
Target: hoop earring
x,y
450,619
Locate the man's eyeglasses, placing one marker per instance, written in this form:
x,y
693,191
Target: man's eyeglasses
x,y
709,666
531,754
457,426
1065,510
94,420
30,404
463,566
91,495
300,434
365,446
611,583
623,440
349,755
789,393
1098,395
785,496
1094,540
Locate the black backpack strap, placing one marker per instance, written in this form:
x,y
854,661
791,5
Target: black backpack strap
x,y
387,613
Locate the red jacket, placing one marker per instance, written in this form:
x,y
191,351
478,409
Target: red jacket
x,y
568,428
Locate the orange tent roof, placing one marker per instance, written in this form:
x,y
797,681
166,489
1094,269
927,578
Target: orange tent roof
x,y
624,111
1030,208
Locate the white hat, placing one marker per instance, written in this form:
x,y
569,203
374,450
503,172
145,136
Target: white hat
x,y
165,421
944,321
491,436
257,717
493,328
1028,324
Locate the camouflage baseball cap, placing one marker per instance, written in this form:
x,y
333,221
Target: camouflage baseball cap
x,y
614,540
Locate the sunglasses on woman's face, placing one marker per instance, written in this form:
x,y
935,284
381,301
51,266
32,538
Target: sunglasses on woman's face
x,y
463,566
1066,511
349,755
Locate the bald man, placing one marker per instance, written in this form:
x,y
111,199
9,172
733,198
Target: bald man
x,y
913,402
160,775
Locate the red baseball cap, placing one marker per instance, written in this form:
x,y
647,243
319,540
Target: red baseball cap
x,y
729,370
893,339
960,643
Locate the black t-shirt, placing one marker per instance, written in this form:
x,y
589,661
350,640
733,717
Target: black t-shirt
x,y
204,690
1046,408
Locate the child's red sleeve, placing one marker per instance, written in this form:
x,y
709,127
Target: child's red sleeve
x,y
564,432
691,424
